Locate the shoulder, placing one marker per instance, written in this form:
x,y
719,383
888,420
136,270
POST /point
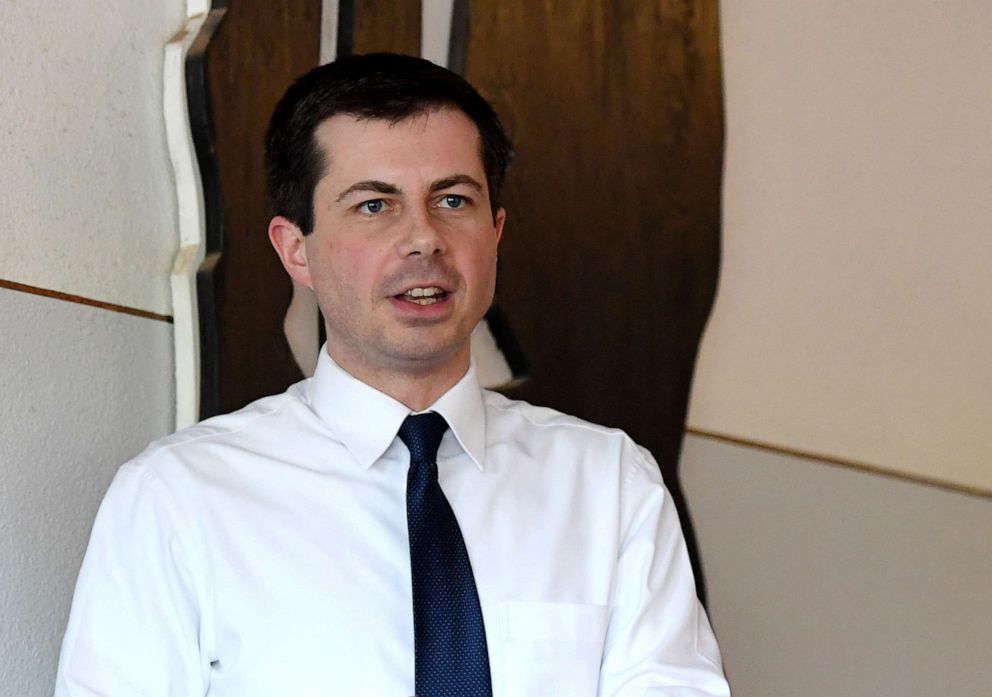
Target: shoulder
x,y
501,407
540,428
256,428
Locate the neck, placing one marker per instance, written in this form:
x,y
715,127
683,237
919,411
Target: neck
x,y
414,386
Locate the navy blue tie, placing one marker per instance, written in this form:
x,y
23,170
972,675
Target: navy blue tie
x,y
451,659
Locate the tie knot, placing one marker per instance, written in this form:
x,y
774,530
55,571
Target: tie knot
x,y
422,434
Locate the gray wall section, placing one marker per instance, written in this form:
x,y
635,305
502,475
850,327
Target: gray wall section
x,y
84,389
830,582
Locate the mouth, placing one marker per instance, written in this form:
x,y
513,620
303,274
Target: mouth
x,y
423,295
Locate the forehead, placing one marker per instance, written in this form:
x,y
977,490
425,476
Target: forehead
x,y
439,142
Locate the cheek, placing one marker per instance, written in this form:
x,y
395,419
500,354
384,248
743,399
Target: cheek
x,y
484,267
348,265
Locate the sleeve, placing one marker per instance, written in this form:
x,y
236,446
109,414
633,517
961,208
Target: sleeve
x,y
659,642
134,627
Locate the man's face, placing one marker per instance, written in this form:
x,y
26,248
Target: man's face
x,y
402,256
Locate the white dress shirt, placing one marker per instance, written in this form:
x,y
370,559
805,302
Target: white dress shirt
x,y
265,553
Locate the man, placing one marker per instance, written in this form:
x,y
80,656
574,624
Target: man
x,y
386,527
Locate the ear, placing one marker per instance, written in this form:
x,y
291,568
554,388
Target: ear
x,y
498,224
290,245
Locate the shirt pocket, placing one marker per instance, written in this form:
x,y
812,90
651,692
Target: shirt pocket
x,y
553,649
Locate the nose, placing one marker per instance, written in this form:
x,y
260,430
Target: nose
x,y
422,236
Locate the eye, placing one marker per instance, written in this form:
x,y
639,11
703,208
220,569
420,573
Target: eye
x,y
452,201
376,205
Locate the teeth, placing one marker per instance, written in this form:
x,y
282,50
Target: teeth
x,y
424,292
424,301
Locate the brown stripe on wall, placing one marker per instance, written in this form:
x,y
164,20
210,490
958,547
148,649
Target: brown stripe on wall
x,y
842,462
80,300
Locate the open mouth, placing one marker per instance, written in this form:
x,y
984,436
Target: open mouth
x,y
427,295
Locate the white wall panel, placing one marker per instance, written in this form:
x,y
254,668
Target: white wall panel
x,y
853,315
83,390
825,581
88,205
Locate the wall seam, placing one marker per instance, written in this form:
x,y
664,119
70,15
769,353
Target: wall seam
x,y
844,463
80,300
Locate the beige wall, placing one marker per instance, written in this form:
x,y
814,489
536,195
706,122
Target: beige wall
x,y
88,205
89,210
853,313
830,582
852,322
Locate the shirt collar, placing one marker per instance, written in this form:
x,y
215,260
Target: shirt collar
x,y
367,420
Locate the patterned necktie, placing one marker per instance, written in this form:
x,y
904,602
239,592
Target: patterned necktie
x,y
451,659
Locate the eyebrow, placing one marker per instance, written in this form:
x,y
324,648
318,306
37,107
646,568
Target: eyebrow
x,y
369,185
381,187
455,180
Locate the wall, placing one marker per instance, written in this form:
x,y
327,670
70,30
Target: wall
x,y
853,301
89,234
851,336
829,582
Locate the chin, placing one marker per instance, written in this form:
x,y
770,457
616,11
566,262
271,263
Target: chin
x,y
429,355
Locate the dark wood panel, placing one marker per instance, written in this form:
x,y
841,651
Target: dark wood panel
x,y
372,26
258,49
610,256
202,132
